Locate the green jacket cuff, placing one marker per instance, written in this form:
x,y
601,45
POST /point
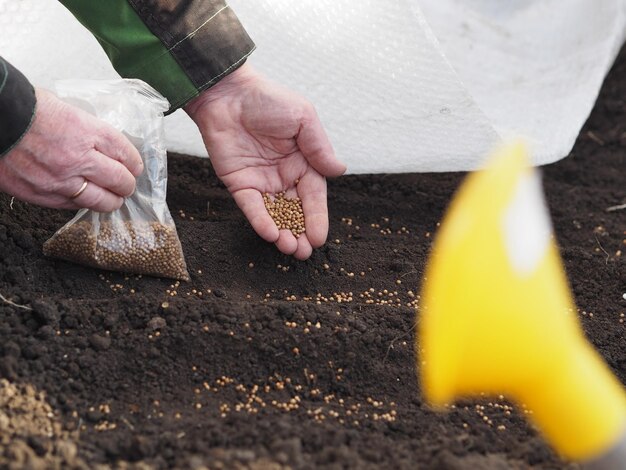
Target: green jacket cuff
x,y
179,47
17,106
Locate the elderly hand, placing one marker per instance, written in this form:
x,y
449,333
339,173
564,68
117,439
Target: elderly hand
x,y
265,139
63,148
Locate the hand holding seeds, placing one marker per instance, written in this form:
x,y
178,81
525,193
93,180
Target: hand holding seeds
x,y
269,148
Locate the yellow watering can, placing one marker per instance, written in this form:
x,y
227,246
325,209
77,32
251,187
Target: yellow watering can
x,y
497,317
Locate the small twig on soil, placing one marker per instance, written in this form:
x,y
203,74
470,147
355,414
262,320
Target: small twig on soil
x,y
595,138
606,261
130,426
403,335
5,300
410,272
616,208
11,203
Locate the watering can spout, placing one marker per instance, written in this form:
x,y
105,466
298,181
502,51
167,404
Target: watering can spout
x,y
497,315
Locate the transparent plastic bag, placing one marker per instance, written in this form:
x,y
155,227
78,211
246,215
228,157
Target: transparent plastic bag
x,y
140,237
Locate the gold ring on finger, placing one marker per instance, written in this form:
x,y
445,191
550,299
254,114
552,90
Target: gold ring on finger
x,y
81,190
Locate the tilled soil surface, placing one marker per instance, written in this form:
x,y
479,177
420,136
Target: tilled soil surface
x,y
263,362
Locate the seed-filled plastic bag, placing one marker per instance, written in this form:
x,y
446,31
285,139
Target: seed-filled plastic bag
x,y
140,237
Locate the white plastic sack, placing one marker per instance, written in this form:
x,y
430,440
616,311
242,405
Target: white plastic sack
x,y
140,237
402,85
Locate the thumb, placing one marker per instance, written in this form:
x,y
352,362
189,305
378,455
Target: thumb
x,y
315,145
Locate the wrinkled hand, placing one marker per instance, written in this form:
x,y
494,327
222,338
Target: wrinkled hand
x,y
265,139
63,147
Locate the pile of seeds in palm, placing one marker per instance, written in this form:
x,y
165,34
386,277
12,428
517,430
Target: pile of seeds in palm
x,y
286,212
150,248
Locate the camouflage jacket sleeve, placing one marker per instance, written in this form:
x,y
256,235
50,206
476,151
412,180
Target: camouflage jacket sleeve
x,y
180,47
17,106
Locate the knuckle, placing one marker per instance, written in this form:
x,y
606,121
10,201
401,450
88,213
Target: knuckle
x,y
295,115
68,117
131,189
120,154
60,159
308,111
53,186
105,132
131,159
116,203
108,138
47,185
69,164
126,153
121,180
96,200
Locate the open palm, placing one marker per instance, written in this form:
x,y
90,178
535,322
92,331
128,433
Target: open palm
x,y
264,139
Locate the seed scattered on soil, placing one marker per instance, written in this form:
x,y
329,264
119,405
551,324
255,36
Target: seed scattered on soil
x,y
284,394
286,212
148,248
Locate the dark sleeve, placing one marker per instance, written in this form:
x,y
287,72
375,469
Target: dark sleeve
x,y
17,106
180,47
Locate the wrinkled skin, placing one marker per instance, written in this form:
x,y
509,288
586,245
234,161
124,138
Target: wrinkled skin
x,y
63,147
263,138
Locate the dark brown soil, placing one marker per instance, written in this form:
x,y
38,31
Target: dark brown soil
x,y
240,377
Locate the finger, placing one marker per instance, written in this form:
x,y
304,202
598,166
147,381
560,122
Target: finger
x,y
98,199
109,174
286,242
305,249
115,145
316,147
251,204
312,192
